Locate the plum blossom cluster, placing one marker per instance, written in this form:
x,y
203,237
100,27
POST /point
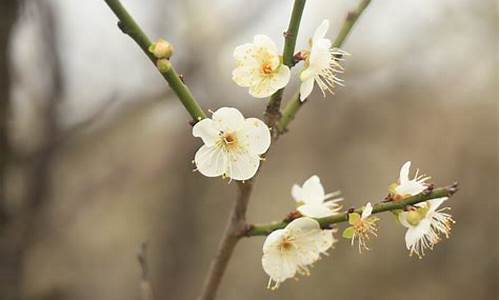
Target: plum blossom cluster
x,y
426,223
234,147
260,68
295,248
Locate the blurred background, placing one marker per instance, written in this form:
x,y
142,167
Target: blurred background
x,y
96,150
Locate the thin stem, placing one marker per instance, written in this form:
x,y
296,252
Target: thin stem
x,y
349,22
273,107
128,25
291,109
265,229
235,229
295,104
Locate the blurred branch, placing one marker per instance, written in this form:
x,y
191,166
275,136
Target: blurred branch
x,y
265,229
235,229
8,14
273,107
146,288
88,122
295,104
22,227
128,26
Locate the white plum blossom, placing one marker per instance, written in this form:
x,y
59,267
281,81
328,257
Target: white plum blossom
x,y
426,224
232,144
313,201
259,67
293,249
321,63
361,227
406,187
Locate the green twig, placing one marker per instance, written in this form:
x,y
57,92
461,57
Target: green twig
x,y
349,22
273,107
265,229
128,25
294,104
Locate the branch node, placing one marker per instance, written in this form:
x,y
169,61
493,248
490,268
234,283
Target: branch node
x,y
122,27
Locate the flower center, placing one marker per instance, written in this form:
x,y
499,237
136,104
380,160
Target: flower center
x,y
266,69
229,140
361,226
286,245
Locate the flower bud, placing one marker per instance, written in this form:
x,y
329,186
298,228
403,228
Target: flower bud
x,y
161,49
163,65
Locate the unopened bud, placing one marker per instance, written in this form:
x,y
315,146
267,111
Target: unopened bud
x,y
161,49
163,65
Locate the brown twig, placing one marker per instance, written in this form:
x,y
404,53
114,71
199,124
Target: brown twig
x,y
146,287
235,229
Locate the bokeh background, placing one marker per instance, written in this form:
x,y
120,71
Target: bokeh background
x,y
99,150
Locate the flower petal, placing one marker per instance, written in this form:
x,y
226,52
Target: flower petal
x,y
435,203
279,267
404,173
228,119
262,89
281,78
367,211
207,130
306,88
312,191
257,135
320,32
315,210
264,41
211,161
415,233
242,166
243,52
246,76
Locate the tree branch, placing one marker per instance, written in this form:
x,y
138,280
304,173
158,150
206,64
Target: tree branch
x,y
236,227
146,288
130,27
265,229
295,104
273,107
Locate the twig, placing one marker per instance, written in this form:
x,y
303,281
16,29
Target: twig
x,y
273,114
130,27
236,227
295,104
146,288
265,229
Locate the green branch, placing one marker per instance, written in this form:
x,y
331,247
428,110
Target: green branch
x,y
265,229
349,22
130,27
295,104
273,107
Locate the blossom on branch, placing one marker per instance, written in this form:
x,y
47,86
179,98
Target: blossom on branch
x,y
406,187
426,224
321,64
313,201
259,67
361,227
232,144
293,249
